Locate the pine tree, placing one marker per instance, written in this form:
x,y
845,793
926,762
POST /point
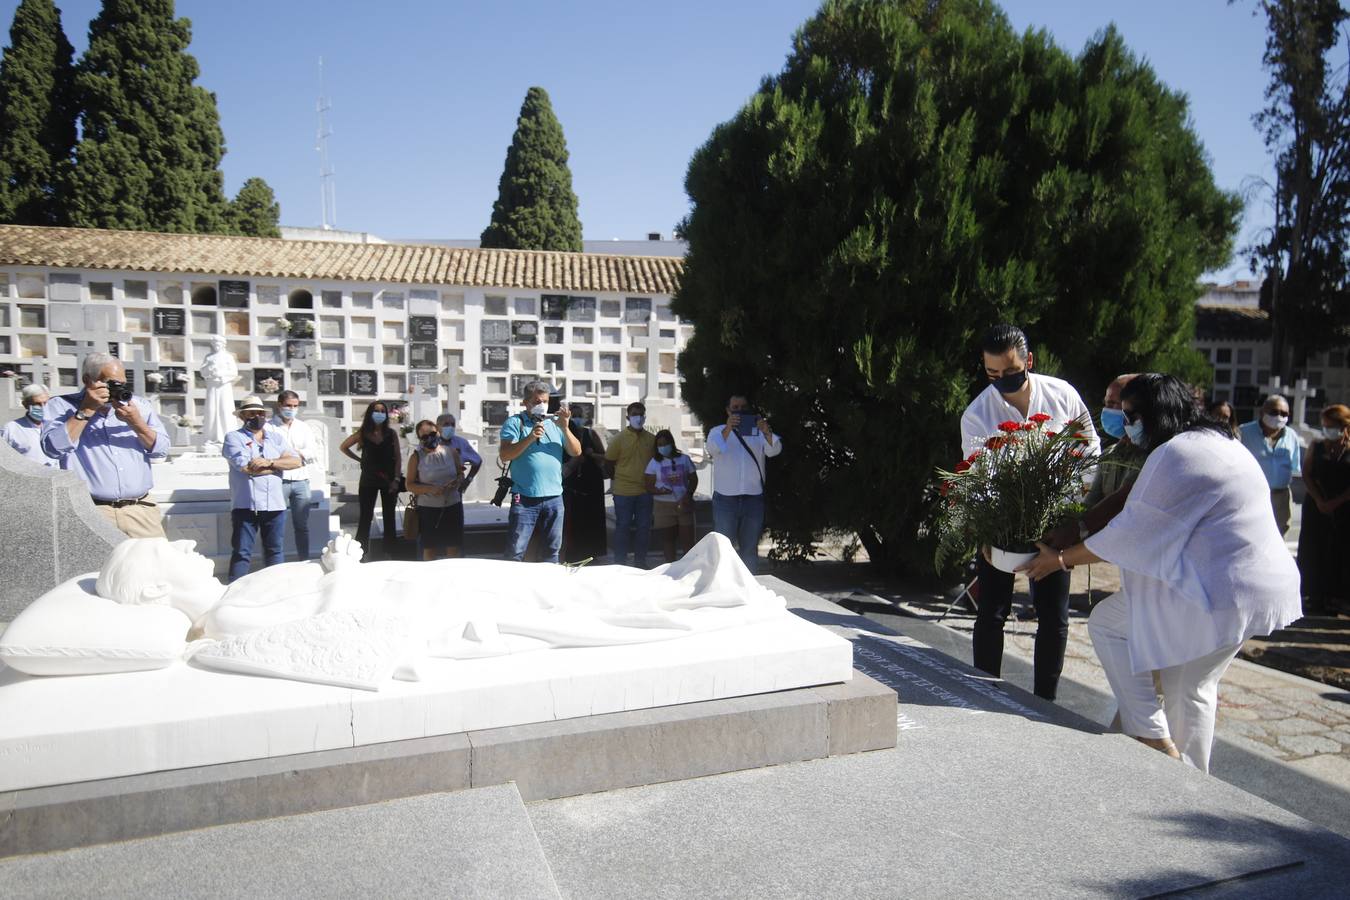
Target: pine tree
x,y
917,172
37,115
150,148
535,208
254,211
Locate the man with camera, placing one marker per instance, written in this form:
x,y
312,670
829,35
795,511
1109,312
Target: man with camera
x,y
534,442
109,436
738,450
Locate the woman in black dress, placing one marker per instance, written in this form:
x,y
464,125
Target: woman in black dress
x,y
379,461
1324,536
584,497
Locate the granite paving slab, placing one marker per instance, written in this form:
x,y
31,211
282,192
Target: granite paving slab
x,y
473,843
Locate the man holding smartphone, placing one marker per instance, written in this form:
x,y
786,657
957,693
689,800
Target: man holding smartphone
x,y
738,450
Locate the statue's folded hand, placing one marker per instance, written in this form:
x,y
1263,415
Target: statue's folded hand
x,y
340,553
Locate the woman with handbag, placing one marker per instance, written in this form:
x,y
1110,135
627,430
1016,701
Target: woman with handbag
x,y
433,478
379,473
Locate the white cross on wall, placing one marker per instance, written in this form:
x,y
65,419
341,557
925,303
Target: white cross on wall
x,y
653,343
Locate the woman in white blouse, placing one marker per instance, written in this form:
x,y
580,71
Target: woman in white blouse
x,y
1203,568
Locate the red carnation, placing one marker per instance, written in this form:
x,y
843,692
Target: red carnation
x,y
995,442
1008,427
974,456
1040,418
946,488
1028,426
962,466
1073,425
1052,434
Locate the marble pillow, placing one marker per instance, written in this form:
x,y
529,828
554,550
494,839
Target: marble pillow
x,y
70,630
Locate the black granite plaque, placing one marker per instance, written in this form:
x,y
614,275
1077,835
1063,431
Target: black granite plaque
x,y
518,383
234,294
637,309
495,412
496,359
175,380
553,306
422,328
363,382
581,309
553,334
422,356
496,331
525,333
333,382
261,375
169,321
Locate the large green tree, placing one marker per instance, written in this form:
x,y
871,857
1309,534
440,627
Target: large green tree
x,y
535,208
37,115
1306,126
254,211
917,172
150,146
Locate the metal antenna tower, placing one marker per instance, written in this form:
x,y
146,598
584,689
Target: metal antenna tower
x,y
327,182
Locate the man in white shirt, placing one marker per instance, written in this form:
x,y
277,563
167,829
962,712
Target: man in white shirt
x,y
1014,395
24,434
295,482
738,476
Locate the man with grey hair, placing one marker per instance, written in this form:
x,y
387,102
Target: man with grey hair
x,y
534,442
109,437
24,433
1277,448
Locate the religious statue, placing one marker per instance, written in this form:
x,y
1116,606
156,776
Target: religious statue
x,y
221,372
335,621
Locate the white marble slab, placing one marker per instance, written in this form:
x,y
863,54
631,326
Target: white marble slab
x,y
61,730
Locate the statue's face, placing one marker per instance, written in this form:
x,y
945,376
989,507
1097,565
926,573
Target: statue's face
x,y
185,570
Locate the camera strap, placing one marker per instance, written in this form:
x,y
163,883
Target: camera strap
x,y
753,458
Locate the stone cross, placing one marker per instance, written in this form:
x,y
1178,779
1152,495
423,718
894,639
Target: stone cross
x,y
423,404
139,367
653,343
43,374
452,378
87,342
309,369
1301,395
552,373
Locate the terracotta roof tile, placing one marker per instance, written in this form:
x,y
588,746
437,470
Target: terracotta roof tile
x,y
142,251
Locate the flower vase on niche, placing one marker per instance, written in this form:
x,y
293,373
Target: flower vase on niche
x,y
1024,480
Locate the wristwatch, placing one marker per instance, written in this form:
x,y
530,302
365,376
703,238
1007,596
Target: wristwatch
x,y
82,415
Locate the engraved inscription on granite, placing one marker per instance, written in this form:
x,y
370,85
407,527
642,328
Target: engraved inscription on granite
x,y
234,294
422,328
363,382
496,331
553,306
169,321
525,333
422,356
495,412
333,382
496,359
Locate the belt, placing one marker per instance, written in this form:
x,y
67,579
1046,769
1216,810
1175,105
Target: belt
x,y
118,504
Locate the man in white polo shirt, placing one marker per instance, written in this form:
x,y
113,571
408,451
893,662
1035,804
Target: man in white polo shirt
x,y
738,476
295,482
1015,394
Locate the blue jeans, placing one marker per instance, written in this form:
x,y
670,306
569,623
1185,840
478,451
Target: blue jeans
x,y
246,525
634,513
296,494
527,515
741,519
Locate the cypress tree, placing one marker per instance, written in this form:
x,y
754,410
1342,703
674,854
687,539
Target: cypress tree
x,y
37,114
535,208
254,211
150,147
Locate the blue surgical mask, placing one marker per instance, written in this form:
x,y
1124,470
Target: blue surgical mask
x,y
378,417
287,412
1113,422
636,421
666,450
37,412
581,423
447,431
1135,432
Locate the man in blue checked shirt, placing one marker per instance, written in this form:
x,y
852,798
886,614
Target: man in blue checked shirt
x,y
108,437
258,453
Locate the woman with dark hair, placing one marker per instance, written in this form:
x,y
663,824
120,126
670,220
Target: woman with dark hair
x,y
584,493
671,477
433,478
379,472
1202,567
1222,411
1324,536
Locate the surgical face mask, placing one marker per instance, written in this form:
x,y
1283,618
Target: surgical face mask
x,y
287,412
1113,422
539,410
666,450
1135,432
1011,384
255,423
37,412
580,422
378,417
447,431
430,441
636,421
1332,433
1273,421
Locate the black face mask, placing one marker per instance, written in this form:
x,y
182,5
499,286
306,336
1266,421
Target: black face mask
x,y
430,441
255,423
1010,384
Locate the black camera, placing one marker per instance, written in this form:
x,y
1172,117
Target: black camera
x,y
504,485
119,391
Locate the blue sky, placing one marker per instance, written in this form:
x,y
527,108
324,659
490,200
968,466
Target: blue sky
x,y
425,93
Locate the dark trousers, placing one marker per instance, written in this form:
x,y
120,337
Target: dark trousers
x,y
246,524
993,604
366,494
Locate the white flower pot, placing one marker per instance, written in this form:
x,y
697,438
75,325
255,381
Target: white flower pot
x,y
1008,562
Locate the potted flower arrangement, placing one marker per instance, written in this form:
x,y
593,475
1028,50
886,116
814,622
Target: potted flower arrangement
x,y
1024,481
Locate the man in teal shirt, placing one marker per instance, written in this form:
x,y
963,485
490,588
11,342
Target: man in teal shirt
x,y
534,444
1277,448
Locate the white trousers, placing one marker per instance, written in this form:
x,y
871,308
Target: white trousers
x,y
1190,690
